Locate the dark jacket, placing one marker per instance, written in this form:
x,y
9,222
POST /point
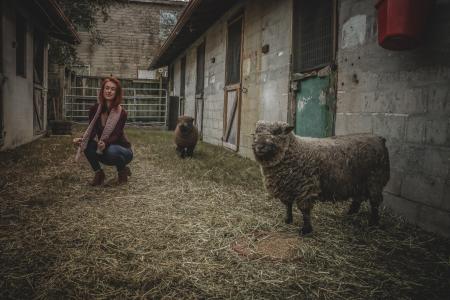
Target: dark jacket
x,y
118,136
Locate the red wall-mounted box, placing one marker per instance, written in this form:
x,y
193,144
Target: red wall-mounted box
x,y
401,23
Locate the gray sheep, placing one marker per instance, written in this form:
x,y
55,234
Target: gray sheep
x,y
306,170
186,136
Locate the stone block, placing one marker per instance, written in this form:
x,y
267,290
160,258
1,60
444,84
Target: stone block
x,y
413,101
435,220
437,131
437,162
358,123
415,129
439,99
402,207
395,182
423,189
390,126
341,125
445,205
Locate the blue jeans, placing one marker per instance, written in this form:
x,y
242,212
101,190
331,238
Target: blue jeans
x,y
113,155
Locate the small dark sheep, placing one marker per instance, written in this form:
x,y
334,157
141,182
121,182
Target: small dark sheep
x,y
307,170
186,136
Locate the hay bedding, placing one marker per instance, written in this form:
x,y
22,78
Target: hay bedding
x,y
171,233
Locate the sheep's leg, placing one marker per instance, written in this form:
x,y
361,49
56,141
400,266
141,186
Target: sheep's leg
x,y
375,202
307,227
355,206
190,151
183,152
289,217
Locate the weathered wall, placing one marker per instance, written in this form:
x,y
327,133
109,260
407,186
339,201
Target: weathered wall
x,y
17,90
404,96
132,36
265,77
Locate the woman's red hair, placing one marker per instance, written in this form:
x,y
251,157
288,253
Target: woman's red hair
x,y
119,95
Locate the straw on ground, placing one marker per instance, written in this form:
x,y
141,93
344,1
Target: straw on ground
x,y
170,233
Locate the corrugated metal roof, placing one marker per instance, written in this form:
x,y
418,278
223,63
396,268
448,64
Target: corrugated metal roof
x,y
195,19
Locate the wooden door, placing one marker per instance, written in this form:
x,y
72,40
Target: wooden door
x,y
38,82
200,87
314,54
233,67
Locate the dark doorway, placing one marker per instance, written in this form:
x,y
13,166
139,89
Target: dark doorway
x,y
232,102
200,87
182,85
173,112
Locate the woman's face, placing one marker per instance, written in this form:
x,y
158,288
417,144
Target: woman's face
x,y
109,91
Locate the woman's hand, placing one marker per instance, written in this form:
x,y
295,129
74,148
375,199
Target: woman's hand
x,y
77,141
101,145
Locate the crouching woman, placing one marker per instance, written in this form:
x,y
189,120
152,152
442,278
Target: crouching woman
x,y
104,141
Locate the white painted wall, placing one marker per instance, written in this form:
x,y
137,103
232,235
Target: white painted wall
x,y
17,90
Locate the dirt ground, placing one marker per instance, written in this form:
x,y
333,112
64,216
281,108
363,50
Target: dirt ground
x,y
200,228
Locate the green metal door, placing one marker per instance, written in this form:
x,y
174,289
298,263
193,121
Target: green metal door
x,y
314,112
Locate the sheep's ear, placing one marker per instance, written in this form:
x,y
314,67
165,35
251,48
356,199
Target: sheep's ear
x,y
288,129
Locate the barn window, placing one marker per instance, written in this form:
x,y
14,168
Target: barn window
x,y
313,34
21,35
234,41
200,69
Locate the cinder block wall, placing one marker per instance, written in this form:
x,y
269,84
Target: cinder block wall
x,y
405,97
132,36
265,77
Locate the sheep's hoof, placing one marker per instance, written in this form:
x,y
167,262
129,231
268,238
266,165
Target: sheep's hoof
x,y
288,220
305,230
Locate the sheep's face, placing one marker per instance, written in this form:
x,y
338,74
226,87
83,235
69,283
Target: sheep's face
x,y
270,141
185,123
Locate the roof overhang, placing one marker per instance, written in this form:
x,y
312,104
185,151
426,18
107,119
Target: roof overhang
x,y
195,20
55,21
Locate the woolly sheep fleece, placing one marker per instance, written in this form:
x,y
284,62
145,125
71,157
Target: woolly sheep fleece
x,y
186,136
306,170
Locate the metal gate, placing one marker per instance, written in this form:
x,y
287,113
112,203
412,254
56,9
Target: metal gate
x,y
145,106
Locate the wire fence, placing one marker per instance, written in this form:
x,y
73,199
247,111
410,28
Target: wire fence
x,y
146,106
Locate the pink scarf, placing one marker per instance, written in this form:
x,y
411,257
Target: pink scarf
x,y
111,122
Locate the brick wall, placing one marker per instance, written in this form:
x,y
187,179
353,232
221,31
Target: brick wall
x,y
132,36
404,96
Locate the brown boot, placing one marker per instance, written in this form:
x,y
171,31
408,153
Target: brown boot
x,y
123,176
99,178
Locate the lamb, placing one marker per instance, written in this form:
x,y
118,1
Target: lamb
x,y
186,136
307,170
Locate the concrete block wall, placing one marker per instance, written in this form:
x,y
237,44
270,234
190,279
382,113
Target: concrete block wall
x,y
265,77
405,97
132,36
